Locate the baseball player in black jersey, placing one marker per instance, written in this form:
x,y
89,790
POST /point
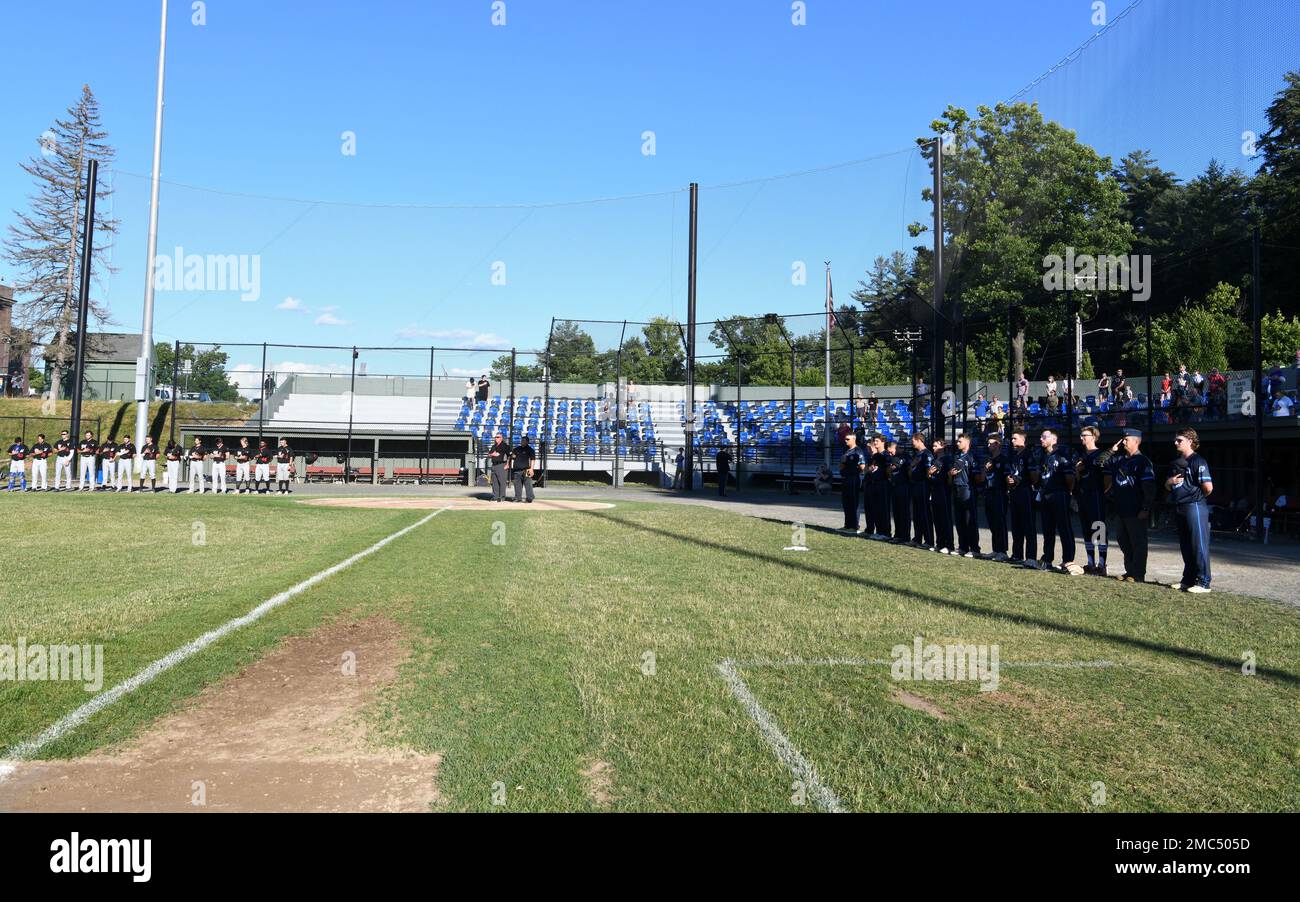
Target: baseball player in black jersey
x,y
41,452
994,479
108,463
63,462
195,457
262,467
283,466
1024,532
853,464
1090,470
149,463
900,493
125,460
18,463
174,455
87,448
919,479
1190,485
940,497
878,490
243,455
961,477
218,456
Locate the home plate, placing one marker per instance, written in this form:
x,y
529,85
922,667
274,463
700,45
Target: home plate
x,y
458,504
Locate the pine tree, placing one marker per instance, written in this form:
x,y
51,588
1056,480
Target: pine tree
x,y
45,242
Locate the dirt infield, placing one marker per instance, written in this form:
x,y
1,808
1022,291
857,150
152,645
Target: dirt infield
x,y
458,504
285,734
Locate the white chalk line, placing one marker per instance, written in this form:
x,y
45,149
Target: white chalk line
x,y
785,751
74,719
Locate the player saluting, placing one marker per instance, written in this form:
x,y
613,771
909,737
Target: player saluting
x,y
1133,488
125,455
149,463
283,466
63,461
242,456
18,463
86,451
40,467
219,454
1189,486
196,455
173,455
262,468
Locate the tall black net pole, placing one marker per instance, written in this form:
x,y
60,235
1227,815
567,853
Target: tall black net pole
x,y
352,393
1261,404
936,319
83,300
261,391
428,426
548,420
176,366
689,415
510,432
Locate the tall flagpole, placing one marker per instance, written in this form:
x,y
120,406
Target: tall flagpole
x,y
826,420
144,364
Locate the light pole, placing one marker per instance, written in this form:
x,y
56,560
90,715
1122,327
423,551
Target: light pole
x,y
142,366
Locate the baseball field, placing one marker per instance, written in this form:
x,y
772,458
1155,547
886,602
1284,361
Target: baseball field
x,y
634,656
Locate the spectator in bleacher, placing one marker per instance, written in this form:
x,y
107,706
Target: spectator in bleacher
x,y
873,403
484,387
1052,399
1183,379
1282,405
1198,381
723,461
632,392
1120,387
1022,393
922,396
679,468
470,389
860,407
843,432
499,461
1166,389
1103,387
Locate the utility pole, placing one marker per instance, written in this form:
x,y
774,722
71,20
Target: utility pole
x,y
937,317
83,298
689,410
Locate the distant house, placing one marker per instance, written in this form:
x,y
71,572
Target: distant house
x,y
110,365
15,349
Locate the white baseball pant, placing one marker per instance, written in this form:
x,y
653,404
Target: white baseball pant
x,y
40,474
218,476
262,473
241,475
87,480
108,472
196,476
173,475
62,471
123,479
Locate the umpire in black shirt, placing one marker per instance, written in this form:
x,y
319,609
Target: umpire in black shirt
x,y
853,463
499,461
521,465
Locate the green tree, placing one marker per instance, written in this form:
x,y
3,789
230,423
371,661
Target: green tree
x,y
1198,335
1279,338
1277,186
207,370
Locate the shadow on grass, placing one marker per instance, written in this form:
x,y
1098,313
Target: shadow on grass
x,y
1188,654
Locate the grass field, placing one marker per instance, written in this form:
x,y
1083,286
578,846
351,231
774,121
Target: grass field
x,y
550,647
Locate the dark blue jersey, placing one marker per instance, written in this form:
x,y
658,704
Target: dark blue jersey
x,y
1194,471
1055,469
939,479
920,465
1091,470
1132,483
850,461
898,466
996,470
879,460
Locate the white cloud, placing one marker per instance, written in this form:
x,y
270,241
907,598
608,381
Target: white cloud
x,y
462,338
291,304
247,377
329,319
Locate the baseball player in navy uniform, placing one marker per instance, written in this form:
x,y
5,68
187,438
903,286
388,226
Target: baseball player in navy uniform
x,y
149,463
919,488
125,458
878,489
63,463
41,452
853,464
243,457
18,464
961,476
940,501
196,457
900,492
174,455
1090,470
1020,473
262,467
283,466
87,448
1132,490
1055,485
108,463
1190,485
993,478
219,454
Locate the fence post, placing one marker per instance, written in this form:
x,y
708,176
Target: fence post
x,y
428,428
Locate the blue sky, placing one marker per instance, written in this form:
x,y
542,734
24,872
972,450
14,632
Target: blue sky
x,y
454,116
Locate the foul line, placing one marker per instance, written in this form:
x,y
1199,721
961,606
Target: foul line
x,y
71,721
784,749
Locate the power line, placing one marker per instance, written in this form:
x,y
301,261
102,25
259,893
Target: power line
x,y
1074,54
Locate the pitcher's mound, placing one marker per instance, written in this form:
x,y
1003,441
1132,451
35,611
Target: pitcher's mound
x,y
459,504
